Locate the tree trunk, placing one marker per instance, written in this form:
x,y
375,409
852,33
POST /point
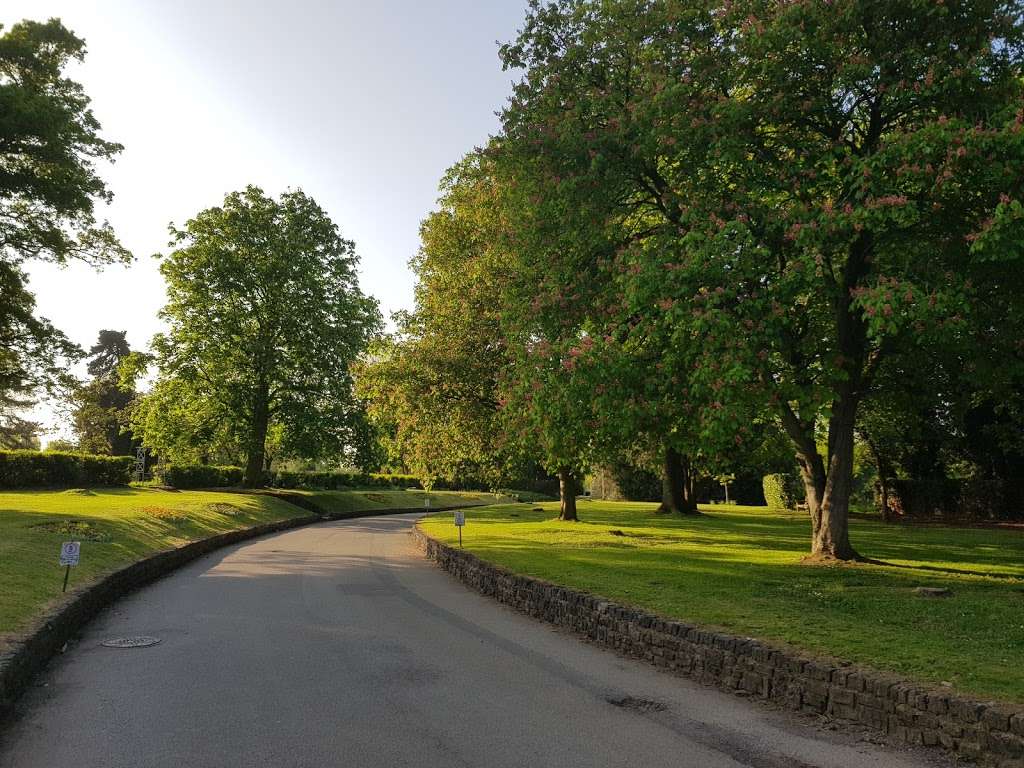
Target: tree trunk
x,y
883,499
677,494
828,492
257,448
567,494
689,489
832,538
812,472
884,473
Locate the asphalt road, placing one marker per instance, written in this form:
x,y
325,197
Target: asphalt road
x,y
339,645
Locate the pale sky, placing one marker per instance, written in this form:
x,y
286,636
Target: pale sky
x,y
361,104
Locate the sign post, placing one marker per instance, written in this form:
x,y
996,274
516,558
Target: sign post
x,y
69,554
460,521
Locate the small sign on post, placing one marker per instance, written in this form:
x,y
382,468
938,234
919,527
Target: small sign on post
x,y
426,503
460,521
69,555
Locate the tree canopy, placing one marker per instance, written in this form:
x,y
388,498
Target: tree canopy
x,y
266,317
50,146
101,406
790,194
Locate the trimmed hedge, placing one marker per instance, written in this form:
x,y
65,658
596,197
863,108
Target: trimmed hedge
x,y
199,476
338,481
781,491
207,476
53,469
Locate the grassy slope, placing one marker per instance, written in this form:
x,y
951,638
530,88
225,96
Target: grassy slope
x,y
739,568
120,525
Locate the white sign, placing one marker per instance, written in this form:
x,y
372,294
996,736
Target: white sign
x,y
69,552
460,518
426,503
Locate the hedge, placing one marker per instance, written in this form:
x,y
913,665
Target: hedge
x,y
203,476
198,476
336,481
781,491
35,469
958,499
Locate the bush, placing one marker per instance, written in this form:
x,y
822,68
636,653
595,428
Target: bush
x,y
339,481
52,469
198,476
781,491
958,499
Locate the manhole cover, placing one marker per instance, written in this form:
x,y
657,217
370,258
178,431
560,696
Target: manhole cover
x,y
640,705
139,641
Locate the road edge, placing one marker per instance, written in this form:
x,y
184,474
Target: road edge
x,y
987,732
33,648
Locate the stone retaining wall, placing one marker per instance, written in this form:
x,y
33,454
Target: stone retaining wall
x,y
988,733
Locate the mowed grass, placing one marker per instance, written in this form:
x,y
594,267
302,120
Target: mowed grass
x,y
117,526
740,569
338,502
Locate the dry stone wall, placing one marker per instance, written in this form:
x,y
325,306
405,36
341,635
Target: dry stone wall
x,y
989,733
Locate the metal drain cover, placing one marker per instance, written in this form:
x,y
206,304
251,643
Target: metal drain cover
x,y
138,641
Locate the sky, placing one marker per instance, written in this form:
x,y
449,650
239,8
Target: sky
x,y
363,105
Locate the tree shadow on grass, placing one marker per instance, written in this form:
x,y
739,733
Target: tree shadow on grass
x,y
942,569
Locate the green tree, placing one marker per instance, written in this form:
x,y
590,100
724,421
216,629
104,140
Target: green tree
x,y
810,189
61,445
20,434
433,386
182,423
266,318
102,405
49,148
107,354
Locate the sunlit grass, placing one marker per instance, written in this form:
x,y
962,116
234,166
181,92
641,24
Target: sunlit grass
x,y
740,569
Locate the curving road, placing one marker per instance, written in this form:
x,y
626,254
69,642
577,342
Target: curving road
x,y
339,645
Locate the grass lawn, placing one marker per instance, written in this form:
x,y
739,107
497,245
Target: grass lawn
x,y
117,526
739,569
335,502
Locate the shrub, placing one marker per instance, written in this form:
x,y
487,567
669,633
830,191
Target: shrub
x,y
198,476
53,469
781,491
339,481
953,499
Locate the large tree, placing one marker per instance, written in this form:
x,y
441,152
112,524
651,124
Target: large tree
x,y
266,318
811,189
49,187
102,404
434,383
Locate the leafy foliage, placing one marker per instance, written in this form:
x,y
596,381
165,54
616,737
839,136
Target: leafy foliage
x,y
781,491
101,406
338,481
265,317
433,387
51,469
107,354
49,148
791,193
199,476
